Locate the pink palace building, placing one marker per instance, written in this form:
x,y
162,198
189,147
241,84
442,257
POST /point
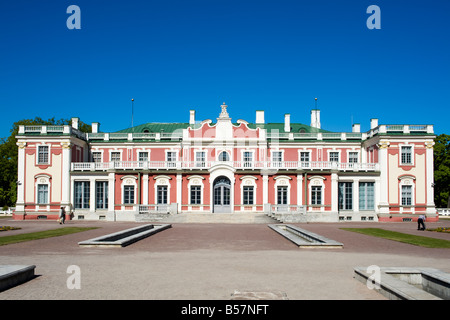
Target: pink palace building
x,y
294,171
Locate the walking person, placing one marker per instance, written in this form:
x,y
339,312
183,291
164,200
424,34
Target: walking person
x,y
62,215
421,222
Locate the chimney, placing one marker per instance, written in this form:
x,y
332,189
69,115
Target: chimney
x,y
95,127
259,117
315,118
75,123
287,122
373,123
356,127
192,117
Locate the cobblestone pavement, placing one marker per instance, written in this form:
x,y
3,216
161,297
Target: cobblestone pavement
x,y
211,261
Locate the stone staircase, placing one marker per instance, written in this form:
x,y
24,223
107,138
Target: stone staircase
x,y
242,218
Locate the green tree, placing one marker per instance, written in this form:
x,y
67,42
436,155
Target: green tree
x,y
442,171
9,153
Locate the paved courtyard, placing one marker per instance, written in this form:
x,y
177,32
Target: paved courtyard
x,y
211,261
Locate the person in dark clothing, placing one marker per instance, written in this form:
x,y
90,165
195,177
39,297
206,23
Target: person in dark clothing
x,y
421,223
62,215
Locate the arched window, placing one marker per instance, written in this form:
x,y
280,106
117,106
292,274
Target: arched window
x,y
223,156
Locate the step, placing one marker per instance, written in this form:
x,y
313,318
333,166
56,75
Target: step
x,y
243,218
13,275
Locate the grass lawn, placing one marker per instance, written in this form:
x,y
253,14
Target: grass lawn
x,y
402,237
41,235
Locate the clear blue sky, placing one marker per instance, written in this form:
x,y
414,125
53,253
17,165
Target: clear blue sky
x,y
176,55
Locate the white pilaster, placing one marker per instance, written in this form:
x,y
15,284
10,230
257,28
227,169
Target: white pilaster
x,y
179,194
430,177
265,189
92,194
299,189
65,176
20,204
334,192
356,194
145,189
384,178
111,192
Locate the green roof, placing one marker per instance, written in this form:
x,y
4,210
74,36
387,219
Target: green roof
x,y
295,127
155,127
171,127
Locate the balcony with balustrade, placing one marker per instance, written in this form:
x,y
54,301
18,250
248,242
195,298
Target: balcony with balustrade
x,y
238,165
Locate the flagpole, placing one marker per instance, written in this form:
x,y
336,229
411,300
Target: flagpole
x,y
132,112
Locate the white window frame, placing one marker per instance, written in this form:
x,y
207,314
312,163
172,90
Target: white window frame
x,y
249,181
172,163
162,180
196,181
365,196
353,152
128,181
304,164
334,151
100,152
401,146
248,164
115,151
277,163
83,193
43,179
228,155
200,163
49,152
282,181
316,181
352,203
407,181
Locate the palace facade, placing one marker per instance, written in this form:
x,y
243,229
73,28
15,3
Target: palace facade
x,y
289,169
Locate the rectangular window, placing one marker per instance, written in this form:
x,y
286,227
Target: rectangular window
x,y
353,157
82,192
171,159
406,155
345,197
282,195
115,156
143,156
334,156
97,156
101,195
248,195
200,159
248,159
406,195
128,194
42,195
196,194
43,155
277,159
161,195
304,159
316,195
366,196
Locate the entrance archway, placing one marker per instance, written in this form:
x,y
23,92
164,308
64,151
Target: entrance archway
x,y
222,195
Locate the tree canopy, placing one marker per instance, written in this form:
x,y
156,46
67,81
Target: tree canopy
x,y
442,171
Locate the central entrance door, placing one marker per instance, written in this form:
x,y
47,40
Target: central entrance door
x,y
222,195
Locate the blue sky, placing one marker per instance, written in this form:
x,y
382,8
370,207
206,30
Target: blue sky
x,y
175,55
